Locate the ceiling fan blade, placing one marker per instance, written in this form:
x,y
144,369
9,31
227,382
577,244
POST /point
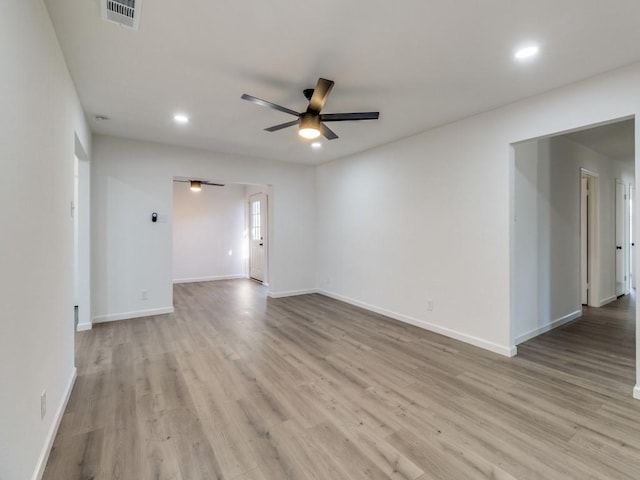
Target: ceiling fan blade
x,y
327,132
320,95
213,184
342,117
264,103
275,128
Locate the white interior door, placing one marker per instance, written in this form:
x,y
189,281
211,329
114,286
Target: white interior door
x,y
257,236
74,212
621,276
632,241
584,239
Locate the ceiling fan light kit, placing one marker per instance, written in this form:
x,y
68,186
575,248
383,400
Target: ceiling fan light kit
x,y
311,123
309,126
196,186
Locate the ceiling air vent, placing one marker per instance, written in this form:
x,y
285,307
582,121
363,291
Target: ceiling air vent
x,y
122,12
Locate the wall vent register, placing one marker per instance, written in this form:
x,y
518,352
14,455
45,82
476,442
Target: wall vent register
x,y
122,12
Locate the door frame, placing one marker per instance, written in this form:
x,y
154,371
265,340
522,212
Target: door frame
x,y
593,252
81,212
265,228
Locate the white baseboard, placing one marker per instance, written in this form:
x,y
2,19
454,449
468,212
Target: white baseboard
x,y
84,327
46,449
549,326
291,293
136,314
209,279
507,351
636,392
607,300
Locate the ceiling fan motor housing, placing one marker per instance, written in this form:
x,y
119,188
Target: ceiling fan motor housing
x,y
310,120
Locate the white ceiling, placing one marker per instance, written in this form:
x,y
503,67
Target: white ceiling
x,y
421,63
615,140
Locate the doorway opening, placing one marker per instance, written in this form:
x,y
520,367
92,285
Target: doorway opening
x,y
74,214
572,250
213,230
572,225
80,211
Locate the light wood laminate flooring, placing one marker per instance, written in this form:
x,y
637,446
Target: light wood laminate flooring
x,y
238,386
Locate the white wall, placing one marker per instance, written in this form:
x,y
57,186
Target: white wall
x,y
547,231
429,217
209,240
42,115
132,179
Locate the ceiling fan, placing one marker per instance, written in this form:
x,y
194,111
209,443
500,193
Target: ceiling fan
x,y
311,123
196,185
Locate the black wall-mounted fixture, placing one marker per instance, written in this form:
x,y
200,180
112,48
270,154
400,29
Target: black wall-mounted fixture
x,y
154,217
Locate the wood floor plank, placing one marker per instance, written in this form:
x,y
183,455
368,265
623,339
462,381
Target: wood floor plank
x,y
76,457
390,460
237,386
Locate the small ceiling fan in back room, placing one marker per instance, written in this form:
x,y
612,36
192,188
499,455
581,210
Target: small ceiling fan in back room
x,y
311,123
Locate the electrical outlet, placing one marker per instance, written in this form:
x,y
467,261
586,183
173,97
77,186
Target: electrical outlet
x,y
144,294
430,305
43,404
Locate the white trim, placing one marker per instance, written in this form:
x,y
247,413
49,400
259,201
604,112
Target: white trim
x,y
46,450
507,351
607,300
127,315
636,392
82,327
210,279
291,293
549,326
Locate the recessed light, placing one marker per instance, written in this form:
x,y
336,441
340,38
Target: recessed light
x,y
180,118
527,52
316,145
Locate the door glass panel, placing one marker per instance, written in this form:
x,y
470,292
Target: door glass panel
x,y
255,221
